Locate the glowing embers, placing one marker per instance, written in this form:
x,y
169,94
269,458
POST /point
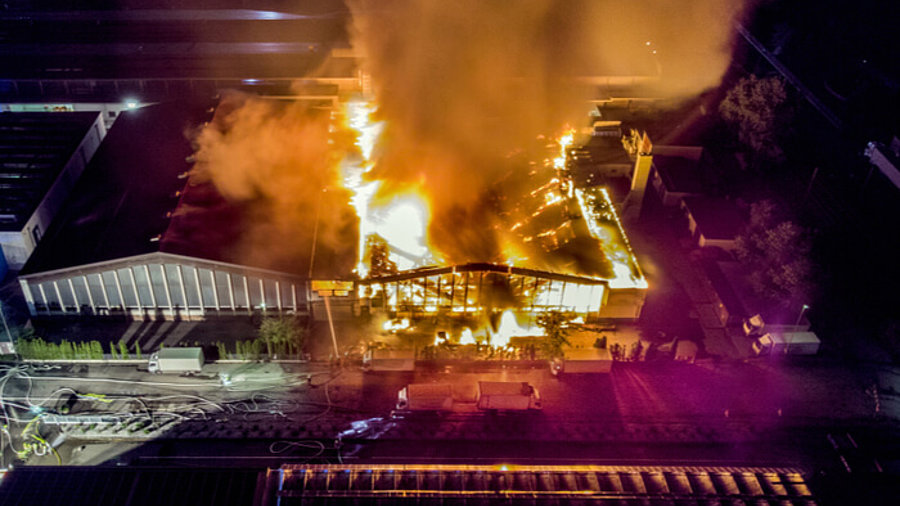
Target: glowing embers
x,y
395,325
396,225
604,225
564,141
498,334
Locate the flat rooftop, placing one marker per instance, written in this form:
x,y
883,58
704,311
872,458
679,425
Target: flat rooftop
x,y
135,197
680,174
716,218
120,202
34,148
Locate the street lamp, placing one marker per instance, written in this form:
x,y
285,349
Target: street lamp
x,y
800,316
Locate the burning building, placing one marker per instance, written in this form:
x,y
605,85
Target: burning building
x,y
552,246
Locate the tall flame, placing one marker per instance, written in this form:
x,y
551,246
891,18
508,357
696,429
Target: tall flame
x,y
402,221
564,141
359,119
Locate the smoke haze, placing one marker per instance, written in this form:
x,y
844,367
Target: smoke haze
x,y
273,159
464,83
463,86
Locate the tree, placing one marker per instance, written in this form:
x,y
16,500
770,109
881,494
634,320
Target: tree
x,y
777,254
378,256
556,329
759,109
283,335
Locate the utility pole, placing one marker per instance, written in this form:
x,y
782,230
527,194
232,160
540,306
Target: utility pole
x,y
312,254
337,353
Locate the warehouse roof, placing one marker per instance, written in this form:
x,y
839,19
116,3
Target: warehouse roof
x,y
120,203
135,197
716,218
34,148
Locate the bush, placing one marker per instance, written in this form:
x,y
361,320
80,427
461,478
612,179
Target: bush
x,y
281,336
223,350
38,349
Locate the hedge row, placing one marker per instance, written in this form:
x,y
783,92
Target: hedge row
x,y
38,349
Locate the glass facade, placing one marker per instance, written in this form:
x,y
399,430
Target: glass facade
x,y
470,290
164,285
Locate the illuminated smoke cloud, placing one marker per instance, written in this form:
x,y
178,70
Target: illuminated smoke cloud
x,y
271,159
462,84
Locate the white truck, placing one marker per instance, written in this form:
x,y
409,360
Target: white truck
x,y
176,361
507,396
389,360
582,360
425,397
774,344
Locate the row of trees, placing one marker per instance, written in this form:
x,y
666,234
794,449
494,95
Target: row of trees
x,y
776,252
278,337
39,349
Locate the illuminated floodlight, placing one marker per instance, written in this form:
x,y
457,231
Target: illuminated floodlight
x,y
131,104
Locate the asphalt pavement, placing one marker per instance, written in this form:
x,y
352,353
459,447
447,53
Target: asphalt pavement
x,y
744,412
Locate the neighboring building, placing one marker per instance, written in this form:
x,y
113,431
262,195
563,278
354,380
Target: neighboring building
x,y
85,54
713,222
676,173
42,155
108,252
407,483
728,304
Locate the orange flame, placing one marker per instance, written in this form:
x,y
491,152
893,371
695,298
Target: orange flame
x,y
402,221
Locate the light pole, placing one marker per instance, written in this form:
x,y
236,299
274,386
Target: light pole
x,y
800,316
312,254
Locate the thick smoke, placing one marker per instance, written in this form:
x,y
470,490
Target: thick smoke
x,y
464,83
464,86
272,159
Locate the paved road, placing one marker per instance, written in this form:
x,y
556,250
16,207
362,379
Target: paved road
x,y
727,411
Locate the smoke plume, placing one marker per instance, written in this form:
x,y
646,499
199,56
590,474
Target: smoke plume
x,y
273,159
464,88
462,84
